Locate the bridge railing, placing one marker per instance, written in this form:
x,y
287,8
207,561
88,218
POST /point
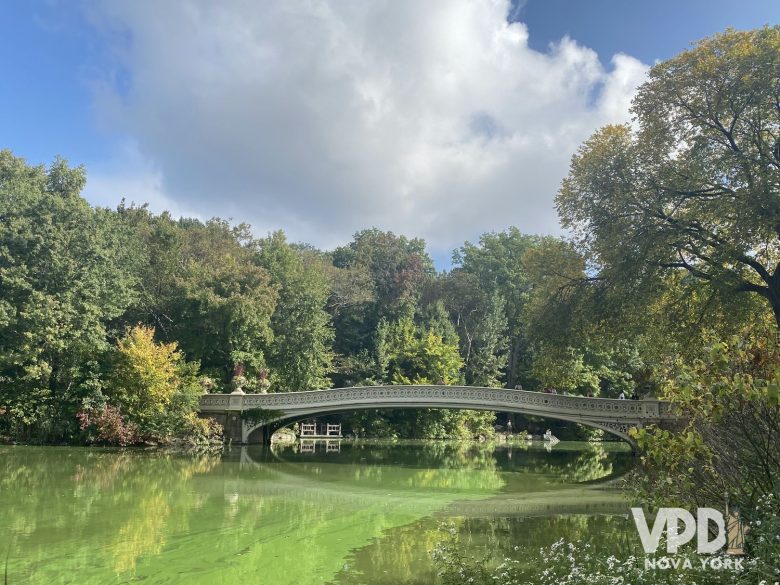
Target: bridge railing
x,y
440,397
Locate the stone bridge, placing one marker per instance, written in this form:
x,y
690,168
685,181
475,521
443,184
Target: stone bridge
x,y
283,408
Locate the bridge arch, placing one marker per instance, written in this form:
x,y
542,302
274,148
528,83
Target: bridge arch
x,y
262,432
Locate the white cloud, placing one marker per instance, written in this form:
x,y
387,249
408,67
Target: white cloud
x,y
323,117
135,181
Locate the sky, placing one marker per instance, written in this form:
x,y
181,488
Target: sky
x,y
441,119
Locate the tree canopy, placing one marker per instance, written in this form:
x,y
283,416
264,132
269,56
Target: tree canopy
x,y
694,183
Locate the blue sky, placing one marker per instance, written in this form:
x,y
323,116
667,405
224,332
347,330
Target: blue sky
x,y
649,30
109,84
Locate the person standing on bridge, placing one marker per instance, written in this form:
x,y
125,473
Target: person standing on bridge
x,y
622,395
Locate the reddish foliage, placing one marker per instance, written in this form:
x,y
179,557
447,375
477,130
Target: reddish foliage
x,y
110,426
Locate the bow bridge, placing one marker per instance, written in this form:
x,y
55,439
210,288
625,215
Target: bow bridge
x,y
283,408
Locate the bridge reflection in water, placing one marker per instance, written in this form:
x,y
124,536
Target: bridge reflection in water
x,y
323,445
578,495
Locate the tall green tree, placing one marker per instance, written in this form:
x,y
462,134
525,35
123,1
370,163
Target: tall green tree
x,y
397,267
488,358
479,318
579,342
202,286
301,355
410,354
64,275
694,185
497,264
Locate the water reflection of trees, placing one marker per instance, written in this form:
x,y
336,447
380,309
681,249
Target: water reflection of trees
x,y
588,462
445,465
99,516
109,502
591,464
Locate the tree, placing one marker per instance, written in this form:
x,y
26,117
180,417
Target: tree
x,y
398,268
202,286
479,319
497,264
488,359
151,385
695,186
301,354
351,299
727,449
410,354
64,275
436,319
558,307
579,341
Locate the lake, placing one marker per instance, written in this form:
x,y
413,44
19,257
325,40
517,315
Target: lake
x,y
312,513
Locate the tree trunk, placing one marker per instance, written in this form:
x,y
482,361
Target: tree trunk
x,y
774,300
513,358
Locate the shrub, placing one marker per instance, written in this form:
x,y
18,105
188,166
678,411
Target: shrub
x,y
203,430
154,385
564,564
107,425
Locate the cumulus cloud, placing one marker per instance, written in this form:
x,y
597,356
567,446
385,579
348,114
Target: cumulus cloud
x,y
133,179
322,117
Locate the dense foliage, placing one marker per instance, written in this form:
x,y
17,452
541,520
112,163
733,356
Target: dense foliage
x,y
692,186
113,321
65,276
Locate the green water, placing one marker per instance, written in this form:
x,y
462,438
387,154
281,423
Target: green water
x,y
358,513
